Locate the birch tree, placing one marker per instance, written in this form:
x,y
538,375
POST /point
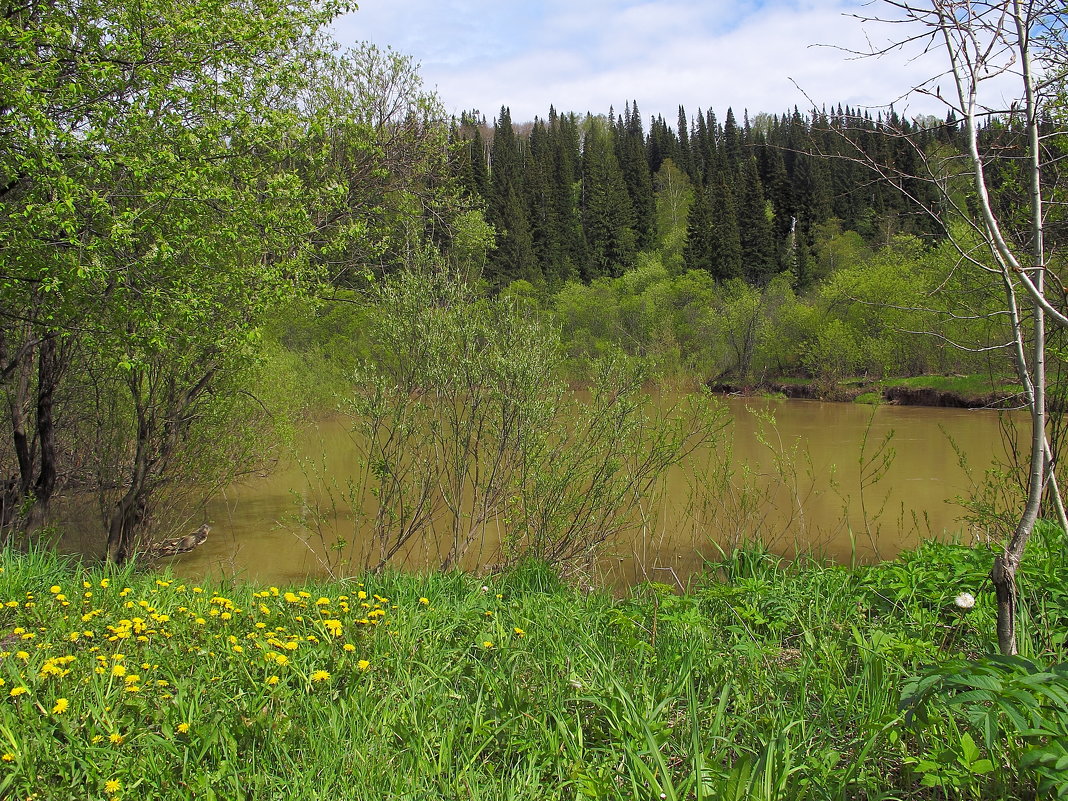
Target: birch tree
x,y
1004,65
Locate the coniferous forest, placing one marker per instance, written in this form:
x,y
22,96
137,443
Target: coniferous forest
x,y
576,198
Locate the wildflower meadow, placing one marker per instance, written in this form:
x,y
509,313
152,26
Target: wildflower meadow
x,y
766,679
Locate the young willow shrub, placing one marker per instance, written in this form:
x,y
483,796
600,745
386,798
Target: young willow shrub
x,y
468,434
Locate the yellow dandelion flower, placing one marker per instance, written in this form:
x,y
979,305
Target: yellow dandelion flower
x,y
272,680
424,601
17,691
8,757
112,786
116,738
62,705
363,664
55,589
118,670
487,644
22,655
183,728
349,647
281,660
519,632
320,675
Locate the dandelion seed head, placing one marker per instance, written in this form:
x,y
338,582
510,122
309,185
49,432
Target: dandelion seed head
x,y
965,600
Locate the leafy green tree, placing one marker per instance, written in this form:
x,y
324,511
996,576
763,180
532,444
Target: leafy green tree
x,y
674,199
142,213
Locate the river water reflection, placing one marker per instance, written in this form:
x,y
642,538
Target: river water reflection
x,y
796,483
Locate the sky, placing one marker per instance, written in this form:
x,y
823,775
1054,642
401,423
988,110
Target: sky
x,y
593,55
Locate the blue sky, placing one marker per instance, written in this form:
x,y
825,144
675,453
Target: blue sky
x,y
588,55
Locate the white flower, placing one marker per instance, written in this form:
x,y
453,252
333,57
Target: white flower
x,y
965,600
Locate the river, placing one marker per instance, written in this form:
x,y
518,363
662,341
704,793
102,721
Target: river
x,y
797,483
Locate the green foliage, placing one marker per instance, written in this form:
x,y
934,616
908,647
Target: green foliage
x,y
768,679
468,433
1018,707
167,186
674,198
862,319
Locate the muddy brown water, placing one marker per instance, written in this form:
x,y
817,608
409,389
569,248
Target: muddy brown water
x,y
796,484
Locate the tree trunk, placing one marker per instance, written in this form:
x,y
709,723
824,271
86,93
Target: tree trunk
x,y
45,484
1003,573
127,522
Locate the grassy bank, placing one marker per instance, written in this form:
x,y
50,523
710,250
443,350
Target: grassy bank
x,y
766,680
960,391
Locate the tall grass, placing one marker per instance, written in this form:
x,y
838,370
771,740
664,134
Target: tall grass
x,y
768,680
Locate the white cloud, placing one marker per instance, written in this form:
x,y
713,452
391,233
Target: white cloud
x,y
588,56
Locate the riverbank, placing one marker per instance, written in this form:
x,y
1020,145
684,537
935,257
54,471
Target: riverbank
x,y
767,679
954,392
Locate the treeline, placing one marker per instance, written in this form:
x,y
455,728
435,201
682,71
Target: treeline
x,y
580,198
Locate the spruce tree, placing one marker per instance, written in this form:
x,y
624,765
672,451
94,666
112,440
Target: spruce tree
x,y
700,251
630,148
507,212
759,262
685,158
727,243
607,215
